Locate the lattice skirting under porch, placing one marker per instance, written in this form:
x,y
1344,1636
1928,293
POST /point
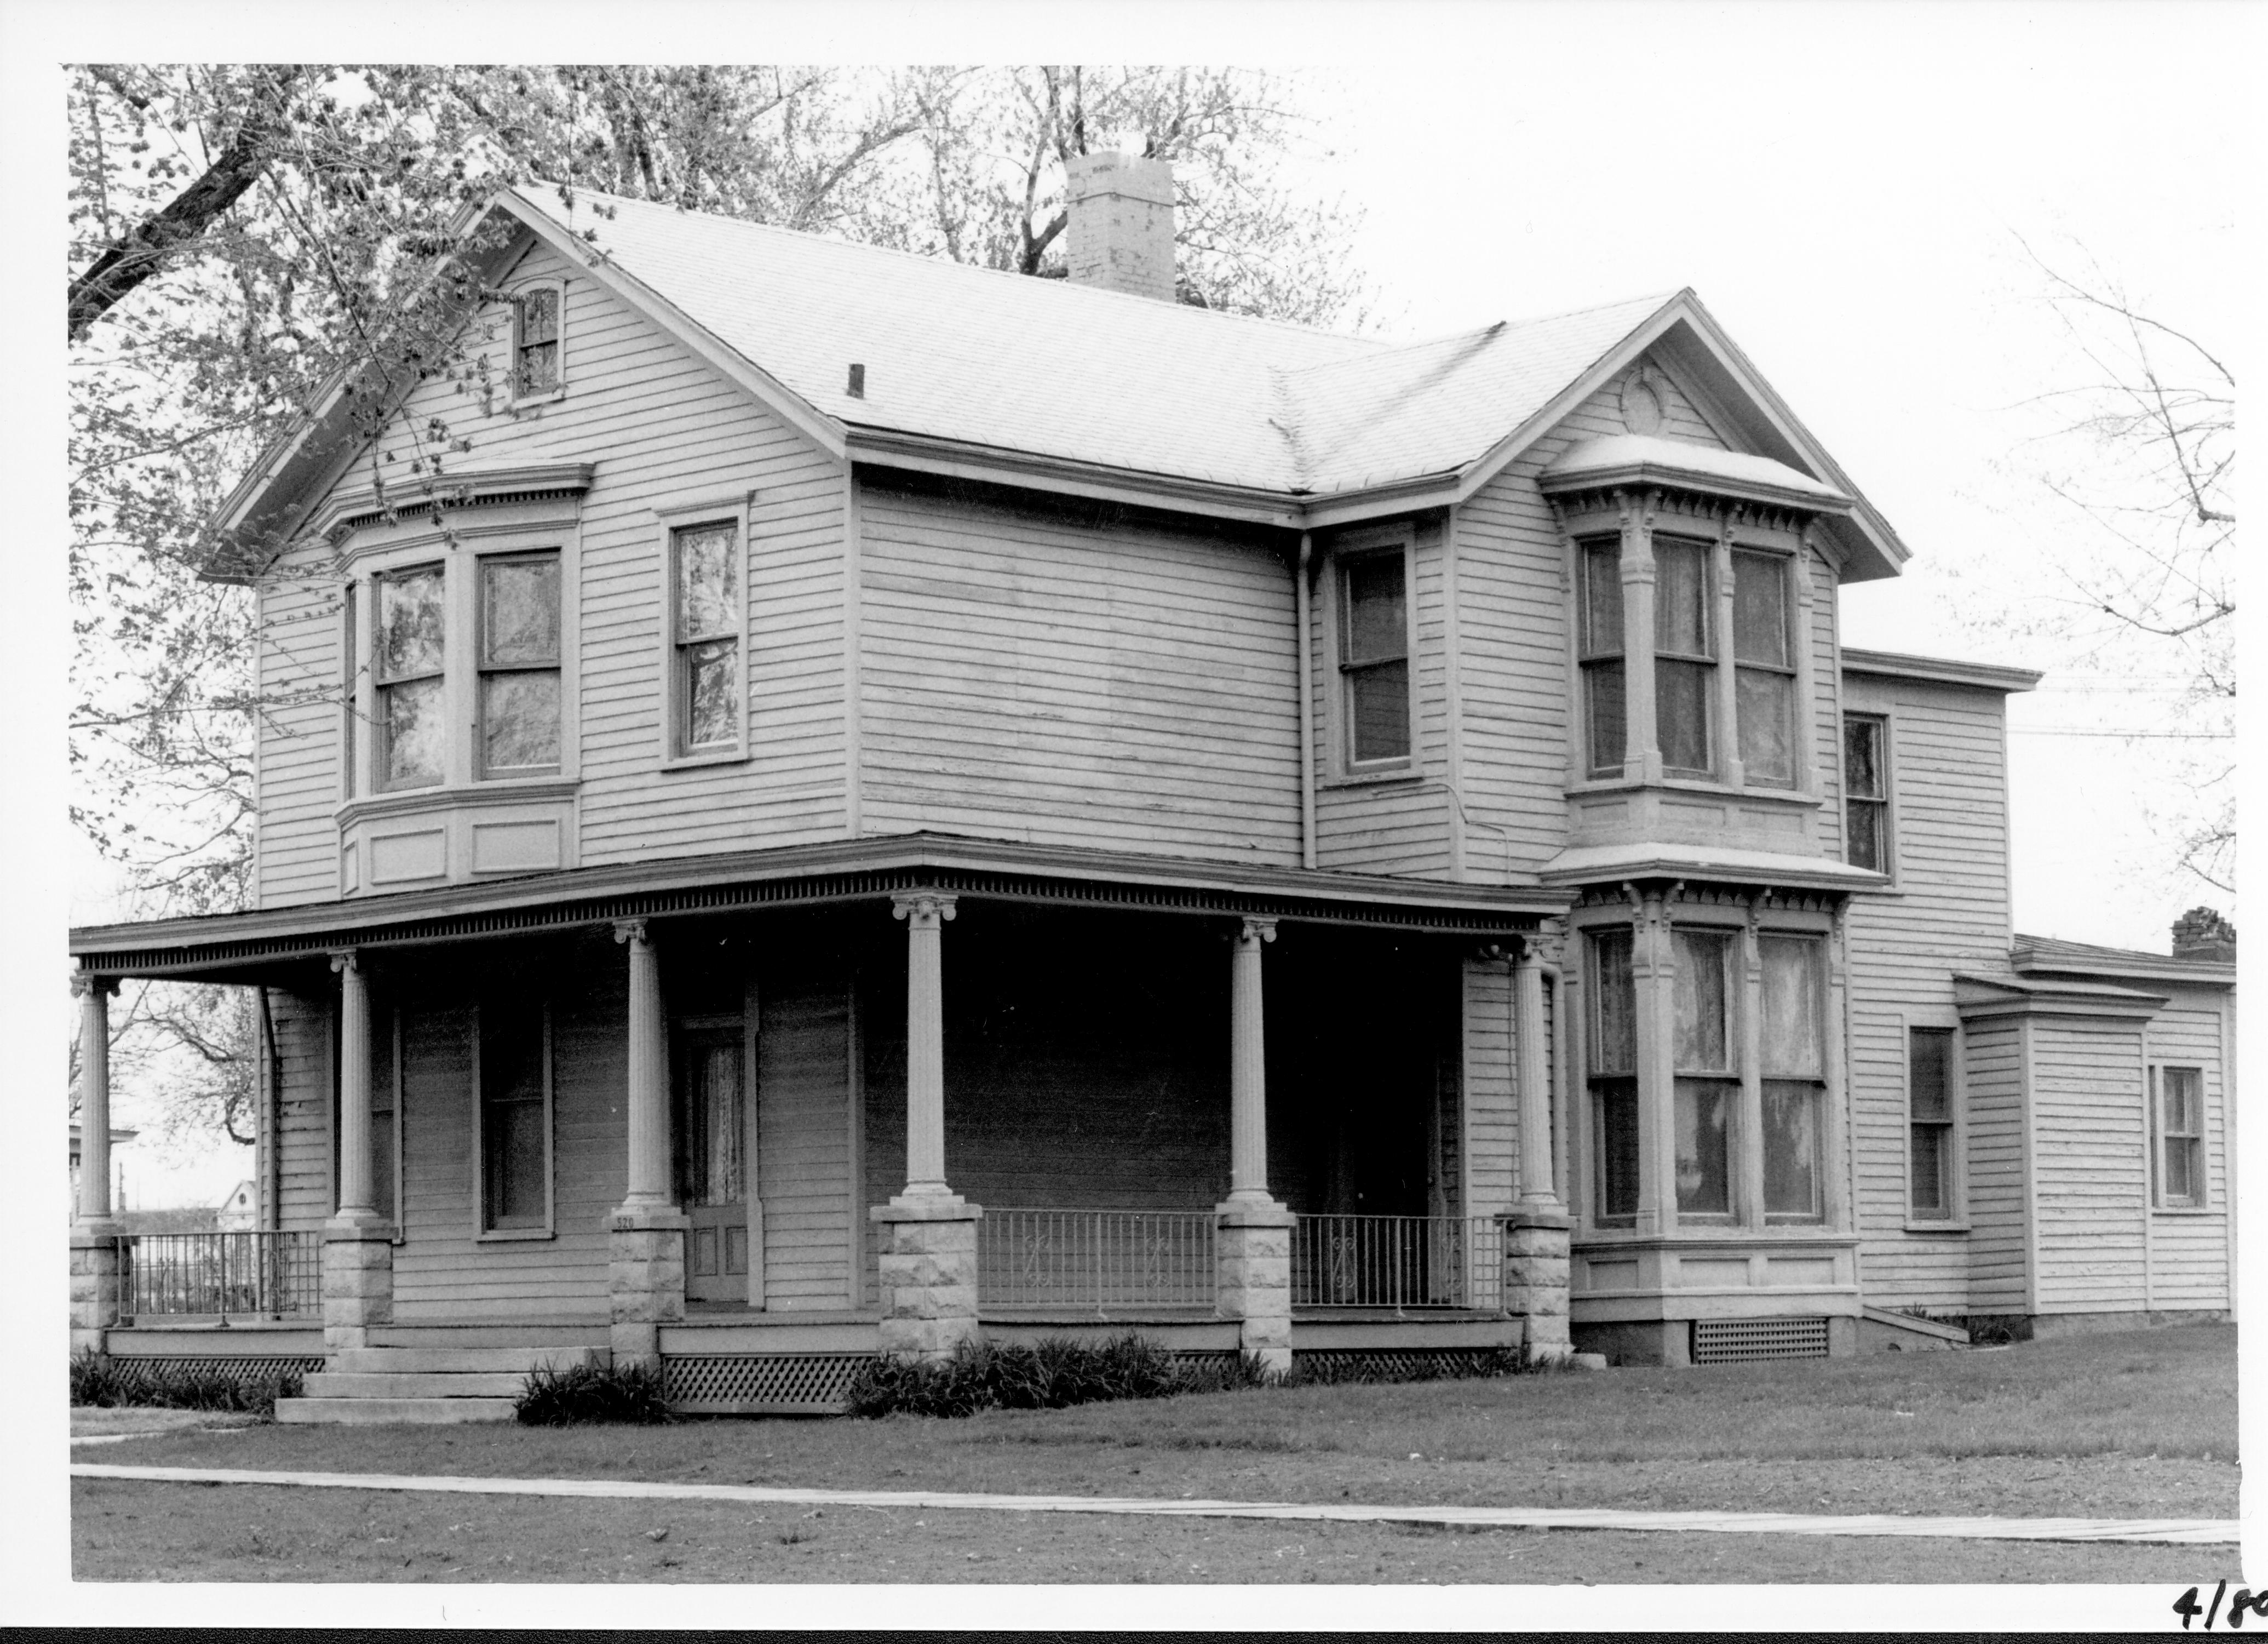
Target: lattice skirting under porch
x,y
759,1384
245,1370
1733,1340
1400,1364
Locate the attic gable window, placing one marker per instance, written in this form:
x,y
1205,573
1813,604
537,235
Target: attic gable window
x,y
535,342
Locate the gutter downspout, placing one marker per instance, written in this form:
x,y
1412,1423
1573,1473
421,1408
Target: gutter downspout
x,y
1306,711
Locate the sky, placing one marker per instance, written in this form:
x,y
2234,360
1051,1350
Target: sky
x,y
1852,191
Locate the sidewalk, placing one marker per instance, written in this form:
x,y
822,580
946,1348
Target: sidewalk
x,y
2177,1531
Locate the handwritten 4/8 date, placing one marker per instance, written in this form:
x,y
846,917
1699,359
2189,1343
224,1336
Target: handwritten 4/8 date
x,y
2189,1609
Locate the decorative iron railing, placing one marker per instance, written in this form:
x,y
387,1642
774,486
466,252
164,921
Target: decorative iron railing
x,y
256,1274
1095,1259
1398,1262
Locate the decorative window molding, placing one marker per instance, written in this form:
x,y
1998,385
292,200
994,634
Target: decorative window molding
x,y
705,558
513,1167
1370,651
2177,1150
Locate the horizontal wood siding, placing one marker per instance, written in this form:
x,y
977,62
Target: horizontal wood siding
x,y
1997,1278
299,628
303,1054
2087,1151
1491,1089
1074,675
804,1167
1950,916
2189,1249
443,1271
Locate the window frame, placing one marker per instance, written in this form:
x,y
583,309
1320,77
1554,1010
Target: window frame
x,y
481,668
517,296
733,509
1339,767
483,1230
1729,1077
1884,802
1597,1081
1955,1169
1711,661
1345,566
1822,1086
1791,641
381,739
1606,548
2161,1198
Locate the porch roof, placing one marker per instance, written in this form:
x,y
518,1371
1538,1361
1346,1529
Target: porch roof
x,y
241,947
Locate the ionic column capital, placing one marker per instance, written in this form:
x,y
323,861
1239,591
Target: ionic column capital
x,y
1256,930
86,982
924,908
1544,945
346,959
631,931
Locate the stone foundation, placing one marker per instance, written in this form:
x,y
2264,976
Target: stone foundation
x,y
645,1281
1535,1280
98,1263
1253,1278
928,1261
358,1283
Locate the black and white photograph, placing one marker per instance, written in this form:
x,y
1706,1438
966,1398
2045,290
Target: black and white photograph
x,y
1445,807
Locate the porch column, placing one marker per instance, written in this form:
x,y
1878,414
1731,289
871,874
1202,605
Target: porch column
x,y
97,1255
645,1233
358,1241
1535,1234
928,1254
1254,1280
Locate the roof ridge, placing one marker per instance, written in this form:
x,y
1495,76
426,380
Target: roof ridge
x,y
926,259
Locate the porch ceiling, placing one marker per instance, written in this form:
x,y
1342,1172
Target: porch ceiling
x,y
245,947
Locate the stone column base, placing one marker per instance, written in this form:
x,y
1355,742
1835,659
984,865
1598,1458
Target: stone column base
x,y
928,1261
358,1282
97,1269
1253,1277
645,1281
1535,1280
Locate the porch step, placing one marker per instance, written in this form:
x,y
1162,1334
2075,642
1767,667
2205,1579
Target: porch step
x,y
381,1412
416,1384
455,1360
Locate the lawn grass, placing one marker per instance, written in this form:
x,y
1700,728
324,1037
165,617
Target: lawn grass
x,y
2142,1424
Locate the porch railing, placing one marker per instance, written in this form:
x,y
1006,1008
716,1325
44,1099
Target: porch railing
x,y
262,1274
1095,1259
1399,1261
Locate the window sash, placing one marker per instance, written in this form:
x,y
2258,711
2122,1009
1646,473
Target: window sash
x,y
1931,1177
2181,1136
1374,656
1702,1117
1702,994
707,610
535,342
1793,1144
1766,705
1863,739
408,661
520,681
1606,714
1601,634
1613,1006
1614,1105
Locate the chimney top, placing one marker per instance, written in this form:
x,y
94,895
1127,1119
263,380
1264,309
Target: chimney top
x,y
2202,935
1120,233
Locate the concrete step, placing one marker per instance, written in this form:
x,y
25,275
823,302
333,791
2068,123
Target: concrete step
x,y
448,1361
416,1384
382,1412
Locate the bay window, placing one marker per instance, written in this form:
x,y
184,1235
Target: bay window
x,y
519,665
1614,1074
1764,669
1684,656
1793,1051
1706,1079
409,661
1599,643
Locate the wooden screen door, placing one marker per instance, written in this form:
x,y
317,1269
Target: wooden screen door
x,y
724,1256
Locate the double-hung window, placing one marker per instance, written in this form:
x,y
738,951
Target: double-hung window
x,y
1867,791
519,665
1791,1046
1374,657
1707,1082
1763,661
1932,1168
1598,646
535,342
409,658
515,1113
2181,1137
705,650
1614,1074
1684,656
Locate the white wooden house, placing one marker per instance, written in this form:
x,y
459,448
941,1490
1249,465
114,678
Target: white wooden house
x,y
877,800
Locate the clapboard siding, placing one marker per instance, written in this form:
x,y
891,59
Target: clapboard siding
x,y
2189,1249
1491,1089
1999,1278
1074,675
803,1128
303,1054
1950,916
2090,1193
299,626
662,429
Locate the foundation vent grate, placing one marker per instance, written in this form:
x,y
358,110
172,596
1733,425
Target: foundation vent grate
x,y
1732,1340
759,1384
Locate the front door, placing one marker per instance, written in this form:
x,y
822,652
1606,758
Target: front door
x,y
715,1113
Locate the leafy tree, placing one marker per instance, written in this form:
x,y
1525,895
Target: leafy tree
x,y
243,235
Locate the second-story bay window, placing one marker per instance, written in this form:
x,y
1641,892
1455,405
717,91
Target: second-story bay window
x,y
1764,666
410,659
1599,644
1374,657
1684,656
1707,1082
519,665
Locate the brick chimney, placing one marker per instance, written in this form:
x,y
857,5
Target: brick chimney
x,y
2202,935
1119,237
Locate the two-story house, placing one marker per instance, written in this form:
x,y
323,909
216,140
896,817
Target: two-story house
x,y
876,800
